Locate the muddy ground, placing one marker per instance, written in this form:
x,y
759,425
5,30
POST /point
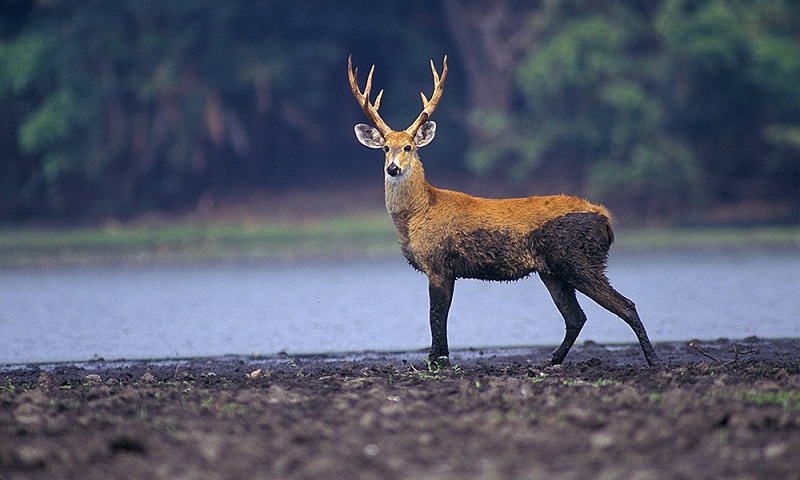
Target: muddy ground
x,y
716,410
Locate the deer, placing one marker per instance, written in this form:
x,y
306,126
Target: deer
x,y
448,235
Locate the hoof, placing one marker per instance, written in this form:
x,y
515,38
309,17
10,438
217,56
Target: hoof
x,y
655,362
438,363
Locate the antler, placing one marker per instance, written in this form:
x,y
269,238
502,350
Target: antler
x,y
371,110
429,106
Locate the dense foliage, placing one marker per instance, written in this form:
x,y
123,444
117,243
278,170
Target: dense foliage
x,y
663,104
116,108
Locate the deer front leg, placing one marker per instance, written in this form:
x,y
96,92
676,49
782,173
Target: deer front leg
x,y
440,291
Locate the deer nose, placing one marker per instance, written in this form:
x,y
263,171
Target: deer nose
x,y
393,170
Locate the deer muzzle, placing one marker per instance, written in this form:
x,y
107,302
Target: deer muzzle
x,y
393,170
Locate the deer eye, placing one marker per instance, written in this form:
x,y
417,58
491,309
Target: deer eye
x,y
386,148
407,148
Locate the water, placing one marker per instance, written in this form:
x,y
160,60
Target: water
x,y
169,311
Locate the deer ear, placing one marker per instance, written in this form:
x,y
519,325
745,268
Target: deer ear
x,y
425,133
369,136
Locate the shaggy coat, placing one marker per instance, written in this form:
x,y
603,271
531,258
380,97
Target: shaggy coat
x,y
449,235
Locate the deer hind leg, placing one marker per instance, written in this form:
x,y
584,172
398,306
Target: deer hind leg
x,y
598,288
563,295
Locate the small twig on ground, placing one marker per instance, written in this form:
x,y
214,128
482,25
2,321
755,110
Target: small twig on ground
x,y
737,353
703,352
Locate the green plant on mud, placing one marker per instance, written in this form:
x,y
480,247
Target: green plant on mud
x,y
655,396
8,387
292,363
433,370
11,387
207,402
606,381
437,367
789,400
603,382
437,364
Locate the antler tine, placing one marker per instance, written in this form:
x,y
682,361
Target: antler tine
x,y
368,87
428,106
370,110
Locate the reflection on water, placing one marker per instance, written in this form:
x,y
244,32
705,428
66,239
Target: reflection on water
x,y
76,313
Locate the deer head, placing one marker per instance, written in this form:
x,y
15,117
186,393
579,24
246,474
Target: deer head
x,y
400,146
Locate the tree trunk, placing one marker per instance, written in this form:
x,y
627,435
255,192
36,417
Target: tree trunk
x,y
491,38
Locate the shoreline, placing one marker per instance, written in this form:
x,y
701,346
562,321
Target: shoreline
x,y
371,236
781,351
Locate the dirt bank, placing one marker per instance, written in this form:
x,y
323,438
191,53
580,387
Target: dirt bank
x,y
717,410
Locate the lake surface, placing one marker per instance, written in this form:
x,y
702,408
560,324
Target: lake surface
x,y
173,311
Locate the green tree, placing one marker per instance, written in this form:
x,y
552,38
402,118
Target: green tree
x,y
593,108
118,108
658,105
735,79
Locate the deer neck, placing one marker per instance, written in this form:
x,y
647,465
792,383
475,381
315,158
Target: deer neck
x,y
406,195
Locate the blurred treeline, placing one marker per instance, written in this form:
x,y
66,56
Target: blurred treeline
x,y
657,107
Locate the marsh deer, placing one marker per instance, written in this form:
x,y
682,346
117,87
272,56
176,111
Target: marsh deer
x,y
449,235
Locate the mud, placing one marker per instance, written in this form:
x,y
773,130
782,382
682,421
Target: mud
x,y
717,409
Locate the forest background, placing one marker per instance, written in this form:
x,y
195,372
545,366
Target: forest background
x,y
673,112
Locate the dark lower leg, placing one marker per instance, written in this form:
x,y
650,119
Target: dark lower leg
x,y
564,297
631,317
440,291
604,294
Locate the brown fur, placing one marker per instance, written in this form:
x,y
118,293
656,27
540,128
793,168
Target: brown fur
x,y
431,220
